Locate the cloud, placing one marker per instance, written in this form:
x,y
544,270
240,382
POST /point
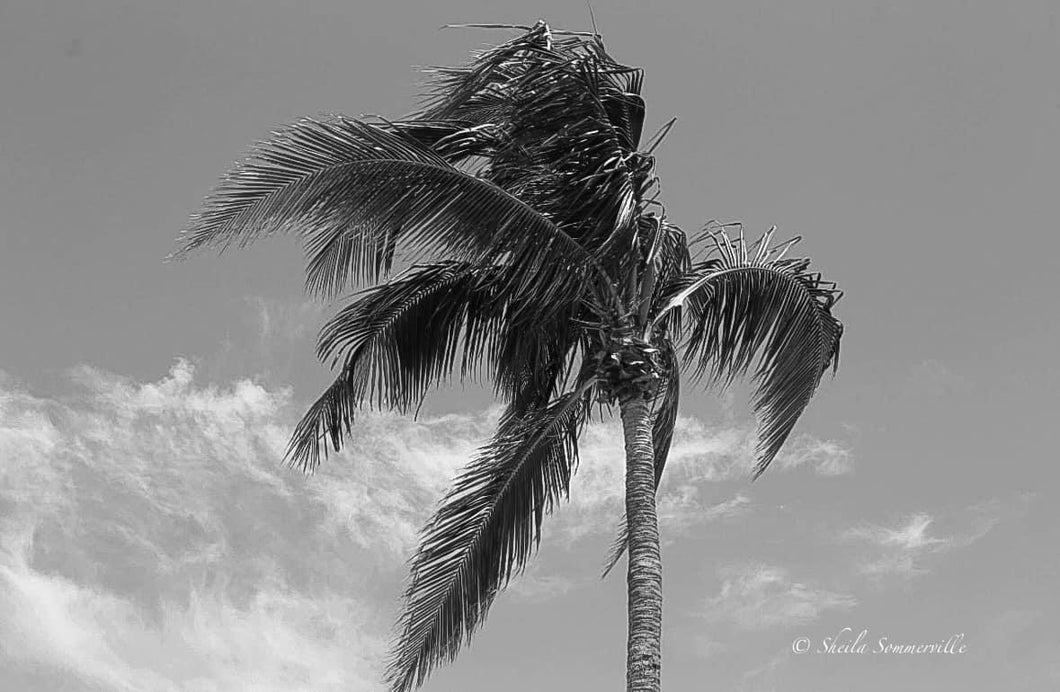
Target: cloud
x,y
761,596
825,457
279,639
151,539
391,475
903,549
701,457
698,459
598,489
910,536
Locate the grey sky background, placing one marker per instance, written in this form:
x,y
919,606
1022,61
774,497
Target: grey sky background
x,y
149,539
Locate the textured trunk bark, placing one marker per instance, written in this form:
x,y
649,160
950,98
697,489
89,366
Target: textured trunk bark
x,y
644,578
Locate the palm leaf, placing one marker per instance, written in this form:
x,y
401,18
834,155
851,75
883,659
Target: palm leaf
x,y
398,340
484,532
395,341
751,303
357,191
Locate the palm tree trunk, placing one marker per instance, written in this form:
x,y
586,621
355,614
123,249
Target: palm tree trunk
x,y
644,579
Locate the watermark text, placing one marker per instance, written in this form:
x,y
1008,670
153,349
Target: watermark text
x,y
849,641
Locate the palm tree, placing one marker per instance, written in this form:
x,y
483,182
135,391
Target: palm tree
x,y
510,231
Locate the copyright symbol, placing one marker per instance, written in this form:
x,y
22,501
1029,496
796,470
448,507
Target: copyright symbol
x,y
800,645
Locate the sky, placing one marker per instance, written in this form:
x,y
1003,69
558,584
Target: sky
x,y
150,538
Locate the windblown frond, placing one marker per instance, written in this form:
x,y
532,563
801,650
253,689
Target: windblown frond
x,y
356,192
484,531
751,303
398,340
395,340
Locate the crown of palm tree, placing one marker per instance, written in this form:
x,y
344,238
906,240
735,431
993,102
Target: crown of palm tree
x,y
509,231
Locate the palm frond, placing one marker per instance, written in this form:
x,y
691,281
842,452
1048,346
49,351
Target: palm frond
x,y
395,340
483,533
751,304
357,191
398,340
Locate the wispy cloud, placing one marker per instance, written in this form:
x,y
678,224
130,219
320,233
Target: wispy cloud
x,y
825,457
904,548
386,482
701,457
683,507
151,541
697,460
278,639
762,596
908,536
